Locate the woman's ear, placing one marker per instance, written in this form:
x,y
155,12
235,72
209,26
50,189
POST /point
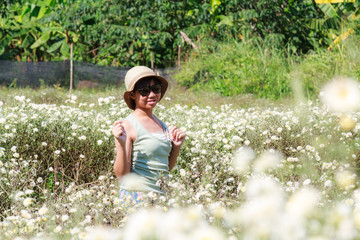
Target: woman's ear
x,y
132,95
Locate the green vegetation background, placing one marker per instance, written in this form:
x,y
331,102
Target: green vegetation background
x,y
260,47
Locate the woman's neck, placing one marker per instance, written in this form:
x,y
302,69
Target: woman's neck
x,y
143,112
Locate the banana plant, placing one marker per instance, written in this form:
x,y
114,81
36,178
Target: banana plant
x,y
339,15
23,38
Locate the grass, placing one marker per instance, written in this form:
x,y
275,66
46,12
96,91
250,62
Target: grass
x,y
235,68
177,94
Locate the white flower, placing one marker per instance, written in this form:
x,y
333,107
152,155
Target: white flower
x,y
28,201
303,202
72,210
341,95
347,123
57,152
44,144
16,155
99,142
182,172
82,137
64,218
102,178
345,179
267,160
103,233
208,233
328,183
20,98
82,156
42,211
57,229
19,195
242,159
13,148
29,191
133,182
25,214
307,182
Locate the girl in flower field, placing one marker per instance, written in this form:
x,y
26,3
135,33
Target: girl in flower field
x,y
146,149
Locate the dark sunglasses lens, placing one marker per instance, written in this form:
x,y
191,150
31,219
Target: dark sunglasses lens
x,y
144,91
156,88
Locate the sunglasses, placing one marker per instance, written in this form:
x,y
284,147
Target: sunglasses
x,y
145,91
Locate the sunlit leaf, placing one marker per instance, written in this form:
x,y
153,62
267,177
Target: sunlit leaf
x,y
56,45
43,39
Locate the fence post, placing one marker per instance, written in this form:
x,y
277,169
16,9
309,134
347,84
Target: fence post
x,y
152,60
179,52
71,66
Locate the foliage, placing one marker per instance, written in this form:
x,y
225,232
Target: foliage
x,y
125,33
260,69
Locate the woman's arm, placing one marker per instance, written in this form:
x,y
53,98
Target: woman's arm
x,y
177,137
173,156
123,144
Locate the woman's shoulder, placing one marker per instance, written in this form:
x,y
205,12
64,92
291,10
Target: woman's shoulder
x,y
128,125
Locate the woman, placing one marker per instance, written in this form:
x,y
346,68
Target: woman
x,y
145,146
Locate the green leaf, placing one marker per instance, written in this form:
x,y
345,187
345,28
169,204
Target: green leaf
x,y
214,5
43,39
225,20
56,45
51,29
65,49
42,12
25,10
328,10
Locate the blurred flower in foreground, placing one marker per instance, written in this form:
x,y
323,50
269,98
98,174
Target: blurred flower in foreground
x,y
181,223
242,159
347,123
345,179
303,202
101,233
267,160
133,181
341,95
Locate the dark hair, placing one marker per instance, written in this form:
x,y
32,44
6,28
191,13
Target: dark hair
x,y
145,82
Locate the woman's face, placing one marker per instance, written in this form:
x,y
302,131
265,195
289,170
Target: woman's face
x,y
147,93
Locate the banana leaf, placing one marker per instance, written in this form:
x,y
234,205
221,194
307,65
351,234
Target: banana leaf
x,y
43,39
56,45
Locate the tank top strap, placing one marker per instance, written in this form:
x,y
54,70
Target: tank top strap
x,y
140,130
165,128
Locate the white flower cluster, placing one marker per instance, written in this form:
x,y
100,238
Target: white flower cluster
x,y
248,173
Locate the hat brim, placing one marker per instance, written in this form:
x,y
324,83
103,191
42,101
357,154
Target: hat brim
x,y
127,95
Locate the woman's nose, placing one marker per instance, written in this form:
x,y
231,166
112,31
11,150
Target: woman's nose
x,y
152,93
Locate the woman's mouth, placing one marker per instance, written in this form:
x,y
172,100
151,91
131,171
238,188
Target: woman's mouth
x,y
151,101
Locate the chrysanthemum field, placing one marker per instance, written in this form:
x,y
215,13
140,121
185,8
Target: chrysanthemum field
x,y
262,172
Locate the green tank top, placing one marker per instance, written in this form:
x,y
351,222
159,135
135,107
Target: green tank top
x,y
150,156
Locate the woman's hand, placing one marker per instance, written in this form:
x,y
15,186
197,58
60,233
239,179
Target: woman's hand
x,y
177,136
119,132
